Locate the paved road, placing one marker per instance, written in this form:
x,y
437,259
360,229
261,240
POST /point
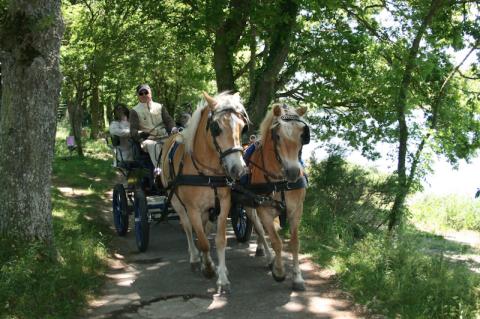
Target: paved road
x,y
160,284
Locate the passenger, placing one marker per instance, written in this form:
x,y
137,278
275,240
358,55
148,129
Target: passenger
x,y
120,132
150,123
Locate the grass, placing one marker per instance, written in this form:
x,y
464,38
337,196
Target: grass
x,y
408,276
446,212
39,283
395,277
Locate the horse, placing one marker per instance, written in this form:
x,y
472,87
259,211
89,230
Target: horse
x,y
276,171
198,171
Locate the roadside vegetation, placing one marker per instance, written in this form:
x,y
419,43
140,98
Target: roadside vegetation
x,y
37,282
407,274
452,212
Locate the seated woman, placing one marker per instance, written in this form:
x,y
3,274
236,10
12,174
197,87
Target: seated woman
x,y
120,128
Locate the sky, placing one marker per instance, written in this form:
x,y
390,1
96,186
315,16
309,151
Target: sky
x,y
444,179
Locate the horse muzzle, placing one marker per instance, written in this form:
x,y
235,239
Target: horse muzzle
x,y
292,173
237,171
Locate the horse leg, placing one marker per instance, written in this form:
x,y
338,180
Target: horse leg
x,y
268,215
262,246
187,227
223,284
294,220
208,268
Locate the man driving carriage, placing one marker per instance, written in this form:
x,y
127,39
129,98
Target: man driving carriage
x,y
150,123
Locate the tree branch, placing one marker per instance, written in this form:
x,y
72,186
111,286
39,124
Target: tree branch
x,y
468,77
247,65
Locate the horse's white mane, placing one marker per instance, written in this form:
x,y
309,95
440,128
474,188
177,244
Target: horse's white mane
x,y
268,121
224,101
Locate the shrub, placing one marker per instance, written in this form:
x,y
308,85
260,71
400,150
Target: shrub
x,y
345,200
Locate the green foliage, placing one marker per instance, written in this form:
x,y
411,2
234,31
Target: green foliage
x,y
391,276
446,212
115,45
38,283
347,197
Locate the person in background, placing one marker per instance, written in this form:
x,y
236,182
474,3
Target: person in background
x,y
182,120
120,132
150,123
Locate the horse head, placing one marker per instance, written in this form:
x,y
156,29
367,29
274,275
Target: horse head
x,y
289,132
227,121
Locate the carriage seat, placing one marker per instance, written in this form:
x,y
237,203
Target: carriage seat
x,y
113,142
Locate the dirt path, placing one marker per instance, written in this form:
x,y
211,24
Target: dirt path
x,y
470,256
160,284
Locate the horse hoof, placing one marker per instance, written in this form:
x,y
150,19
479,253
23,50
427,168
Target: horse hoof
x,y
298,286
194,267
224,289
278,278
208,273
259,252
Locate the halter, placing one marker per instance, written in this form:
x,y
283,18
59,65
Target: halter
x,y
215,131
305,137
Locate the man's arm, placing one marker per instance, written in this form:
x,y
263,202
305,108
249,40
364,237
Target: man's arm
x,y
134,125
167,120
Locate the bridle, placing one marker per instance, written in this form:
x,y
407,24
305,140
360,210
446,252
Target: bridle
x,y
304,138
215,131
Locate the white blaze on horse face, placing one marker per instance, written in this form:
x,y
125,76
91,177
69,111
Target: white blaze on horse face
x,y
230,137
289,147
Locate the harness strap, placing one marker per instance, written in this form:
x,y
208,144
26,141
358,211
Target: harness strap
x,y
230,151
196,164
251,199
283,211
201,180
214,212
270,187
265,171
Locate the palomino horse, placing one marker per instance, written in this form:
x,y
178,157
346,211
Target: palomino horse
x,y
276,171
199,172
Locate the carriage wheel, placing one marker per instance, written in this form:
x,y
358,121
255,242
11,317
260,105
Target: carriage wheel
x,y
142,230
120,210
242,225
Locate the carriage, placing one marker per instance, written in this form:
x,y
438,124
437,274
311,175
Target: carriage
x,y
201,169
138,195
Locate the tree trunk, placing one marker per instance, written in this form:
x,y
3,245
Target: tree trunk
x,y
265,83
253,63
75,113
227,36
401,106
96,110
30,43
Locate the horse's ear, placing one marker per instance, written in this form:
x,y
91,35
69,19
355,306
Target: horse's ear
x,y
210,100
277,110
301,110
